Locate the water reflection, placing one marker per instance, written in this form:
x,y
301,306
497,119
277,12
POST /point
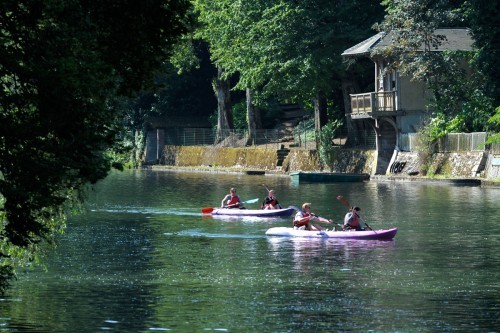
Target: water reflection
x,y
143,258
338,252
198,233
243,219
148,211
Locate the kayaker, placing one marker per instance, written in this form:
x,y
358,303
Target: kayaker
x,y
303,218
352,220
231,200
271,202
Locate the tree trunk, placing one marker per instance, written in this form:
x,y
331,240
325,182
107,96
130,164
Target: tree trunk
x,y
320,111
222,89
320,114
251,118
349,86
139,146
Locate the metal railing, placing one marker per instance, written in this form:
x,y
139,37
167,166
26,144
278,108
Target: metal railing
x,y
306,137
495,148
460,142
266,138
408,141
453,142
361,139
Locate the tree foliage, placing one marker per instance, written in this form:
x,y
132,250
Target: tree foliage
x,y
62,63
284,47
287,49
328,134
495,123
484,21
412,25
462,102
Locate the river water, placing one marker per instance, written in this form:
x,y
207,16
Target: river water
x,y
142,258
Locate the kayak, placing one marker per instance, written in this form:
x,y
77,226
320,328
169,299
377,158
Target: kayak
x,y
253,212
382,234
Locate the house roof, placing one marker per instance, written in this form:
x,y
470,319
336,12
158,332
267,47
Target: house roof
x,y
364,47
455,39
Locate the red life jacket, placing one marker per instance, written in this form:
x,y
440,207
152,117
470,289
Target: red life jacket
x,y
235,201
272,202
299,224
352,220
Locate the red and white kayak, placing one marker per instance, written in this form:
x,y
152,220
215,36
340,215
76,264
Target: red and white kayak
x,y
382,234
252,212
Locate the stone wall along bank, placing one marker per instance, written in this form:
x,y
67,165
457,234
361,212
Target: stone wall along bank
x,y
343,160
453,165
199,156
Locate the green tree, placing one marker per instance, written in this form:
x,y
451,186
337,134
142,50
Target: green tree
x,y
289,49
483,18
328,134
183,89
461,102
221,23
495,121
62,65
484,21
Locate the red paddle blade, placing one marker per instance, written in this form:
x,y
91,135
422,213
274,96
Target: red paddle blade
x,y
207,210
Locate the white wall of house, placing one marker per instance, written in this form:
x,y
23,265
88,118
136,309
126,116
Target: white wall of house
x,y
413,95
413,99
410,123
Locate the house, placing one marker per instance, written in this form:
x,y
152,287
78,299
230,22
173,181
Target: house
x,y
398,105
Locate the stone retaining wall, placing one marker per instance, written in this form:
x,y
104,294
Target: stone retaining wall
x,y
352,161
493,168
342,160
451,165
242,158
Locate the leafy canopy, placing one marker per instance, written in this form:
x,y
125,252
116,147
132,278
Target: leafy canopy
x,y
287,48
462,100
62,64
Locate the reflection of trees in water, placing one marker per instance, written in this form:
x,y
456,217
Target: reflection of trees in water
x,y
336,254
327,279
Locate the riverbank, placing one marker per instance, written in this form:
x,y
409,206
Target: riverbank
x,y
281,160
463,169
376,178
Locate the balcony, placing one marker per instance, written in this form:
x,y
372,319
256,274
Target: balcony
x,y
373,104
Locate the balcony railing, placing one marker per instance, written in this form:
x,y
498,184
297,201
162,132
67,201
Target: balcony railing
x,y
363,104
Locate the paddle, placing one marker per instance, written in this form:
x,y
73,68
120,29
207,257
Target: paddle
x,y
208,210
268,190
243,202
346,203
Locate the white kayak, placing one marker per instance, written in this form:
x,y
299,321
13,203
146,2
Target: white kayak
x,y
382,234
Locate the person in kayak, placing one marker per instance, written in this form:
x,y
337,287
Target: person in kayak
x,y
352,220
271,202
231,200
302,219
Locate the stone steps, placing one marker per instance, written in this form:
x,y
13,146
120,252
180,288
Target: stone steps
x,y
282,154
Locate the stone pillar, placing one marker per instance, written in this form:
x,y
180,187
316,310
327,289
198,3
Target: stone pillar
x,y
155,141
